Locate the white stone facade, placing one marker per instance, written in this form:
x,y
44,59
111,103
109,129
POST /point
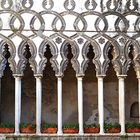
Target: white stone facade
x,y
105,24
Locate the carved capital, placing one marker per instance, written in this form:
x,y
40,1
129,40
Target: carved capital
x,y
100,76
39,75
18,75
121,76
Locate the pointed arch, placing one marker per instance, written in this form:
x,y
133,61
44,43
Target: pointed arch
x,y
22,60
54,51
136,55
97,52
116,57
74,61
11,59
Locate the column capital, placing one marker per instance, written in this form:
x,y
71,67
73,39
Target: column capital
x,y
59,76
80,75
138,77
79,78
121,76
100,76
38,75
18,75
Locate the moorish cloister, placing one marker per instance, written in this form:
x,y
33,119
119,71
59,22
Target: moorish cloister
x,y
69,61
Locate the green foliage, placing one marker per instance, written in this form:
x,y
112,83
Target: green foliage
x,y
116,125
6,125
25,125
110,125
72,126
48,125
91,126
132,125
33,126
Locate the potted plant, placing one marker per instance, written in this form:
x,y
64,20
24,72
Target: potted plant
x,y
112,128
91,128
6,128
49,128
71,128
133,127
27,128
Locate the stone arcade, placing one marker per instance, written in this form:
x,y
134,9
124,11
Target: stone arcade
x,y
70,61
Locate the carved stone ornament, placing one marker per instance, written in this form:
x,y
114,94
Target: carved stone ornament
x,y
103,32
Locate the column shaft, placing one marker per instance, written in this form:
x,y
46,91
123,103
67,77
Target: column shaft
x,y
80,104
17,104
139,96
38,104
122,104
59,92
101,104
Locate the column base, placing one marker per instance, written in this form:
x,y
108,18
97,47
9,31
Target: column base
x,y
17,133
38,132
81,133
123,133
102,133
60,133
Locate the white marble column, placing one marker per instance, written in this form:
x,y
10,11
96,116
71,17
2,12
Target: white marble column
x,y
139,96
122,103
101,104
80,104
17,103
59,115
0,97
38,103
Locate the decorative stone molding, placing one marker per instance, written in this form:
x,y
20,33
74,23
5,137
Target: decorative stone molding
x,y
114,22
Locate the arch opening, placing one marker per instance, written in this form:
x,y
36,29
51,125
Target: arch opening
x,y
7,92
90,91
49,91
111,91
70,100
28,95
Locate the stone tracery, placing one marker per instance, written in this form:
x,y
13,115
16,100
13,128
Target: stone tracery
x,y
112,26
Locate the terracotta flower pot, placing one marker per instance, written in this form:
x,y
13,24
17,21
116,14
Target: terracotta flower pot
x,y
133,130
91,130
49,130
70,130
113,130
6,130
28,129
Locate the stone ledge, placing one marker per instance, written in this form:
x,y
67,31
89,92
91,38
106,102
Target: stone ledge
x,y
69,137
